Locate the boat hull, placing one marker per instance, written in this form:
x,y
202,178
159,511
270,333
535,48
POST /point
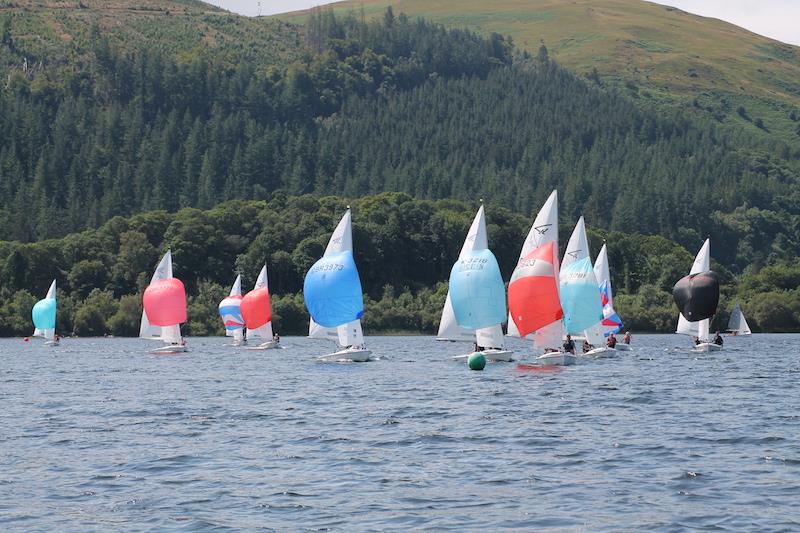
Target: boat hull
x,y
557,359
355,355
705,347
269,345
169,350
599,353
622,347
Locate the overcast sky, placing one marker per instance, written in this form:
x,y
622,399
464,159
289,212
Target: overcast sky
x,y
779,19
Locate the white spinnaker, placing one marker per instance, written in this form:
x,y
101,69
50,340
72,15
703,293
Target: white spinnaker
x,y
577,249
341,240
543,230
265,331
48,334
449,330
702,263
168,334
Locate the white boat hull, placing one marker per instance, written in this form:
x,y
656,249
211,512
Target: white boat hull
x,y
356,355
599,353
169,350
492,355
705,347
622,347
557,358
51,343
269,345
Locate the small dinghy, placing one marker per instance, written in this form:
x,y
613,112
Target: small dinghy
x,y
697,297
334,298
257,314
44,317
269,345
622,347
164,303
475,306
705,347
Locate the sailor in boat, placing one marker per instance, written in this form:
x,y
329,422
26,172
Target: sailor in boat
x,y
627,338
276,339
569,345
717,339
612,341
586,346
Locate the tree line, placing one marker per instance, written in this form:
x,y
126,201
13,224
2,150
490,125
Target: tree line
x,y
404,248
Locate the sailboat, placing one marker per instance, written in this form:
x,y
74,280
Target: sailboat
x,y
737,324
475,306
612,323
257,313
231,313
44,317
697,296
580,293
333,297
534,305
164,304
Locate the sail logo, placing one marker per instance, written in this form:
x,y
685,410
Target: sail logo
x,y
337,240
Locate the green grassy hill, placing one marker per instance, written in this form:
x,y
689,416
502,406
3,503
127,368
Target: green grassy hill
x,y
655,52
47,34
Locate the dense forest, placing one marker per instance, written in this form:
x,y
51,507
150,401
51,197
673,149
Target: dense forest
x,y
404,249
366,107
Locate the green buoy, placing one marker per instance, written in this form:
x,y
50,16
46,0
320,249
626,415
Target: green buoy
x,y
476,361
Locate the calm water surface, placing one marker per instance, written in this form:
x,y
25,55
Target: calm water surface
x,y
97,435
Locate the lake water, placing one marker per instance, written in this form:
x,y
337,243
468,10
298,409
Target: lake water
x,y
98,435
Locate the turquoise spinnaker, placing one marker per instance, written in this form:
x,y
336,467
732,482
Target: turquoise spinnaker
x,y
44,314
477,291
332,290
580,297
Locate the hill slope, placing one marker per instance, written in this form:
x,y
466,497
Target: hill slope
x,y
659,51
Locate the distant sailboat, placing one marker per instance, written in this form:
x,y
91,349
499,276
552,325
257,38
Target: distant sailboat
x,y
697,296
44,317
580,293
475,306
737,324
231,313
612,323
334,299
257,313
164,305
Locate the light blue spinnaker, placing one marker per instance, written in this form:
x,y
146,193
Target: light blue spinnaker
x,y
44,314
580,297
332,290
477,292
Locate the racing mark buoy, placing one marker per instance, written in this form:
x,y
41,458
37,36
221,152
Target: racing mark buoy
x,y
476,361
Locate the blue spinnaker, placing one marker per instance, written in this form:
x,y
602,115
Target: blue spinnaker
x,y
332,290
477,291
580,297
44,314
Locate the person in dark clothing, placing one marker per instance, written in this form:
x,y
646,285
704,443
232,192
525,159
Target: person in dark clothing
x,y
717,339
569,345
612,341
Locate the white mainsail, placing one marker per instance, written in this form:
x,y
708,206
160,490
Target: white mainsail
x,y
168,334
265,331
577,250
702,263
236,290
602,273
737,323
449,330
349,334
543,230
